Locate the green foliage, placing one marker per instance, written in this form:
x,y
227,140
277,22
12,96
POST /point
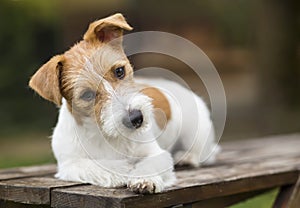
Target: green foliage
x,y
25,148
25,26
26,161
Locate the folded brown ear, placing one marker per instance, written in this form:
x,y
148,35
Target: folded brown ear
x,y
46,80
107,29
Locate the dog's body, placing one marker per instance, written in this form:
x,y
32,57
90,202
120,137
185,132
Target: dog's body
x,y
114,130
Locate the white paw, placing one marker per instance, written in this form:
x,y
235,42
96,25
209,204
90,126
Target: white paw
x,y
146,186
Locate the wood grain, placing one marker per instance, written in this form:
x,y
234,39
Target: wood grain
x,y
242,167
22,172
192,185
10,204
34,190
91,196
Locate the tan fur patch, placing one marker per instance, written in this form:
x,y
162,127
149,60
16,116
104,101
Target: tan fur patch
x,y
46,80
159,102
106,29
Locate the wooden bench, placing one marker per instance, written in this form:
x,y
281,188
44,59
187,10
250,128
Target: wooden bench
x,y
243,169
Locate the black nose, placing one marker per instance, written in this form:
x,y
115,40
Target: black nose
x,y
134,119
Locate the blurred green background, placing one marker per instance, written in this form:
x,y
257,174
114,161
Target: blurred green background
x,y
253,44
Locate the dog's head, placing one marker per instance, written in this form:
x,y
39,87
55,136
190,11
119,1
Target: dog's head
x,y
95,78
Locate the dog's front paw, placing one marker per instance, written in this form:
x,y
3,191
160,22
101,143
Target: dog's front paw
x,y
142,187
146,185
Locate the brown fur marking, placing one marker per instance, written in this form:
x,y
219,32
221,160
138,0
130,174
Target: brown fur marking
x,y
46,80
104,30
159,102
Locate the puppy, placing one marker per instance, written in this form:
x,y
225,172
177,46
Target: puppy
x,y
113,129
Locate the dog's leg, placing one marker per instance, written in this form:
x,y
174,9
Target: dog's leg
x,y
152,173
105,173
199,150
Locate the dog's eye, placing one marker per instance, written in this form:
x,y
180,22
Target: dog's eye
x,y
120,72
88,95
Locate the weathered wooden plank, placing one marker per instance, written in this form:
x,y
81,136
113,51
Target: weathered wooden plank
x,y
22,172
10,204
35,190
97,200
91,196
289,196
242,167
225,201
283,196
259,149
192,185
236,171
295,197
211,190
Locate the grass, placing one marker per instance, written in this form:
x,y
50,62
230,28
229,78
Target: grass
x,y
265,200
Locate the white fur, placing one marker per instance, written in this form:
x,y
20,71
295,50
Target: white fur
x,y
189,135
112,155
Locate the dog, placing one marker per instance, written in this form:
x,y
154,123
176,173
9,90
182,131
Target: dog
x,y
113,129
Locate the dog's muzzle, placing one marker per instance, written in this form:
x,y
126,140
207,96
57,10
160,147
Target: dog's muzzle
x,y
134,119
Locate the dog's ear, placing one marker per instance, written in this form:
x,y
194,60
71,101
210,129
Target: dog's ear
x,y
107,29
46,80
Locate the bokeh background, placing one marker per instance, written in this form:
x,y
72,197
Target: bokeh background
x,y
253,44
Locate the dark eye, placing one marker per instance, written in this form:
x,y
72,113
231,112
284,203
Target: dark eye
x,y
88,95
120,72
